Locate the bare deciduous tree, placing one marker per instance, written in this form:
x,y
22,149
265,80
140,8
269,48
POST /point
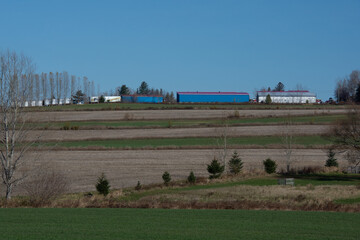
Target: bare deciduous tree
x,y
44,86
73,86
66,85
223,133
346,136
37,89
287,138
15,73
52,87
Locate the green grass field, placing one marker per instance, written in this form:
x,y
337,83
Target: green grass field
x,y
322,119
175,224
188,142
144,106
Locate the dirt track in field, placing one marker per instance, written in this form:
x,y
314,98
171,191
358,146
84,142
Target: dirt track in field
x,y
168,114
125,168
72,135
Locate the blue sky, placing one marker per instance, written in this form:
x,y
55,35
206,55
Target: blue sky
x,y
189,45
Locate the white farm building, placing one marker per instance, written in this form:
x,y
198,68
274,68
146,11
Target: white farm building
x,y
287,96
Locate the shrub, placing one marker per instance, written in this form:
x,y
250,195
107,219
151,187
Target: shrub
x,y
138,186
215,169
166,178
270,166
75,127
102,185
235,163
331,161
191,178
47,184
66,126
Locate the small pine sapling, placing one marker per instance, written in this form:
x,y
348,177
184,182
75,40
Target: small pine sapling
x,y
102,185
235,163
270,166
191,178
138,186
331,161
166,178
215,169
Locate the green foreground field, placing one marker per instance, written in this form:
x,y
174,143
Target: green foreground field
x,y
263,141
175,224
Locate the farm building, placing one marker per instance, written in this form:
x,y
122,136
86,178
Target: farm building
x,y
142,98
212,97
287,96
106,99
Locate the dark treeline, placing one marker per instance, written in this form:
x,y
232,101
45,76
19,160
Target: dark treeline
x,y
348,89
143,89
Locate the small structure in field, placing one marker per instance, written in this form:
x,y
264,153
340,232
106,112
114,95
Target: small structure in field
x,y
286,181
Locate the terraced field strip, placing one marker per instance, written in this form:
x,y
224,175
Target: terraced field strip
x,y
322,119
176,224
181,114
240,131
193,143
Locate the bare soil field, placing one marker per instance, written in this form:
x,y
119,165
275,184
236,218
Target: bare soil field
x,y
168,114
124,168
71,135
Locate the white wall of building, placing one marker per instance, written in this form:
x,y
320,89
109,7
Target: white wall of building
x,y
289,99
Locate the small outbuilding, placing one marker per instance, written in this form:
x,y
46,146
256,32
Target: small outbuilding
x,y
212,97
286,96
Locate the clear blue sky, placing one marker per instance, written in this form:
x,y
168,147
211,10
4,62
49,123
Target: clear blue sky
x,y
189,45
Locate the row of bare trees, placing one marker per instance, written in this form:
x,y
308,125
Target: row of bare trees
x,y
58,85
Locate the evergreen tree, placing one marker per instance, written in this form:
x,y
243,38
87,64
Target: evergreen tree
x,y
215,169
102,185
235,163
279,87
268,99
124,90
270,166
78,97
166,177
191,178
144,88
101,99
331,161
